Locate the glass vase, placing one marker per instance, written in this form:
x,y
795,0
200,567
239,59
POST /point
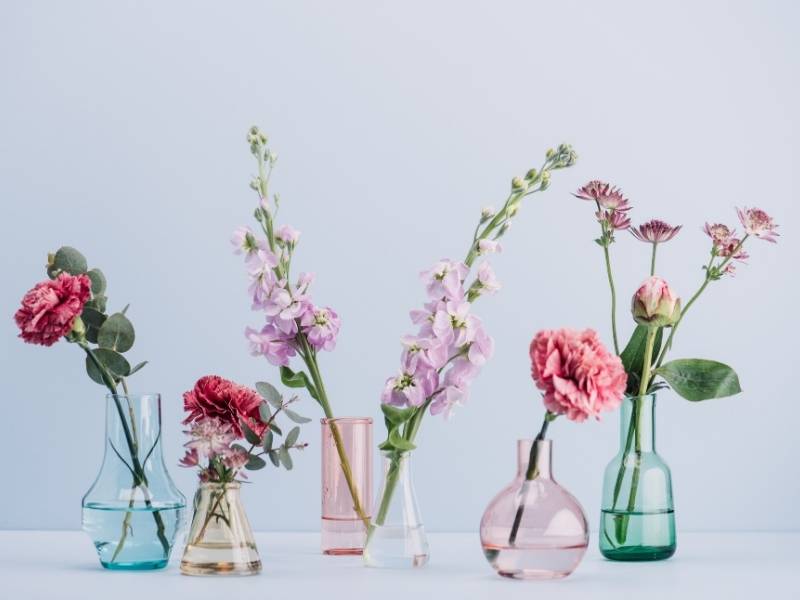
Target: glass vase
x,y
396,537
534,528
637,518
220,540
343,530
133,510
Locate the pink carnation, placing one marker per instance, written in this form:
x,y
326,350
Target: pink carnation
x,y
49,309
578,375
231,403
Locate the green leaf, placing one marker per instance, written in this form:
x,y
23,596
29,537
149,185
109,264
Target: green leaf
x,y
254,463
298,380
264,413
292,436
633,356
93,319
273,457
295,417
98,281
698,379
268,439
269,393
397,416
275,428
399,442
138,367
250,435
98,303
116,333
285,458
113,361
70,260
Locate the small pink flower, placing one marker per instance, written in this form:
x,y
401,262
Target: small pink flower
x,y
191,459
410,388
288,234
604,194
235,458
244,242
210,437
49,310
487,279
272,344
719,233
445,280
489,247
321,326
654,304
578,375
655,231
615,219
732,248
758,223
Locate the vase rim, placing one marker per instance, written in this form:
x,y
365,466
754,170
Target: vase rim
x,y
326,420
651,396
231,485
141,396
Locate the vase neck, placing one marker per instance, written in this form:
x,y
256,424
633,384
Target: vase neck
x,y
133,422
543,458
401,464
637,424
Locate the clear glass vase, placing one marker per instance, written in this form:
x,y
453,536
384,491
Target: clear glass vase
x,y
637,515
396,537
220,540
133,510
343,530
534,529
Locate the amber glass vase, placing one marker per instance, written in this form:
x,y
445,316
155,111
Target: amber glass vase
x,y
220,541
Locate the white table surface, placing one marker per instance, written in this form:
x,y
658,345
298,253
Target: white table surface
x,y
62,564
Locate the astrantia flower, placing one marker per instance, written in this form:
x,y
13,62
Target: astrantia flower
x,y
215,397
210,437
191,459
615,219
321,326
654,304
49,310
758,223
604,194
410,388
719,233
655,231
445,280
578,375
272,344
732,248
235,458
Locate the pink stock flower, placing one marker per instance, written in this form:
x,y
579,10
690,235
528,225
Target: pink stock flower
x,y
445,280
410,388
655,231
453,324
482,347
604,194
229,402
244,242
321,326
430,351
272,344
615,219
654,304
489,247
758,223
455,387
49,310
287,234
578,375
487,279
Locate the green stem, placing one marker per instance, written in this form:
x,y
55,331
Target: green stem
x,y
613,298
653,260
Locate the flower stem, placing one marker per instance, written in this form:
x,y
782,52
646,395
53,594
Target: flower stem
x,y
613,298
653,260
530,475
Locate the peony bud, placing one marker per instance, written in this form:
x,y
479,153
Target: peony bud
x,y
654,304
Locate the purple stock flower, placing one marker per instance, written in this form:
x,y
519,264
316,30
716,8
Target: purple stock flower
x,y
287,234
244,241
445,280
487,279
321,326
410,388
453,324
482,347
428,350
272,344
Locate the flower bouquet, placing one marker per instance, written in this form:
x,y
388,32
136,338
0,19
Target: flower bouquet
x,y
297,327
637,512
222,413
437,365
133,489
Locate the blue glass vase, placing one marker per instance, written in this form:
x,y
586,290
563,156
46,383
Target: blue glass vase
x,y
133,510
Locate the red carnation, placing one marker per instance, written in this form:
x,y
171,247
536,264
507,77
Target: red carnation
x,y
49,309
225,400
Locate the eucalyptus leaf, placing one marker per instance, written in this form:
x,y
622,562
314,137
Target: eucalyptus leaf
x,y
295,417
698,379
98,303
98,281
93,319
285,458
116,333
273,457
274,428
298,380
268,440
264,413
138,367
250,435
269,393
113,361
254,463
71,261
291,437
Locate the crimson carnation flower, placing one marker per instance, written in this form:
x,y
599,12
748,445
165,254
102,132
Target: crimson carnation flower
x,y
231,403
655,231
49,310
578,375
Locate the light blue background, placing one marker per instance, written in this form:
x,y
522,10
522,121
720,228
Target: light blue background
x,y
122,132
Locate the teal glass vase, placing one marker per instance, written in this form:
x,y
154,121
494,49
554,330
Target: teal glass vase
x,y
133,510
637,521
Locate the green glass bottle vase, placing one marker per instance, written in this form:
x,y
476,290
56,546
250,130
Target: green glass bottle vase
x,y
637,515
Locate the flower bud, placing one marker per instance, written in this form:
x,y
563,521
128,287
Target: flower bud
x,y
517,183
654,304
545,181
254,184
487,212
531,175
78,328
549,154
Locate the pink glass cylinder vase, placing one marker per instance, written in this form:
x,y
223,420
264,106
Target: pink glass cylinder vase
x,y
551,535
346,485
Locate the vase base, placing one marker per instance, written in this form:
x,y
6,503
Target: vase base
x,y
147,565
221,568
536,562
639,553
343,551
